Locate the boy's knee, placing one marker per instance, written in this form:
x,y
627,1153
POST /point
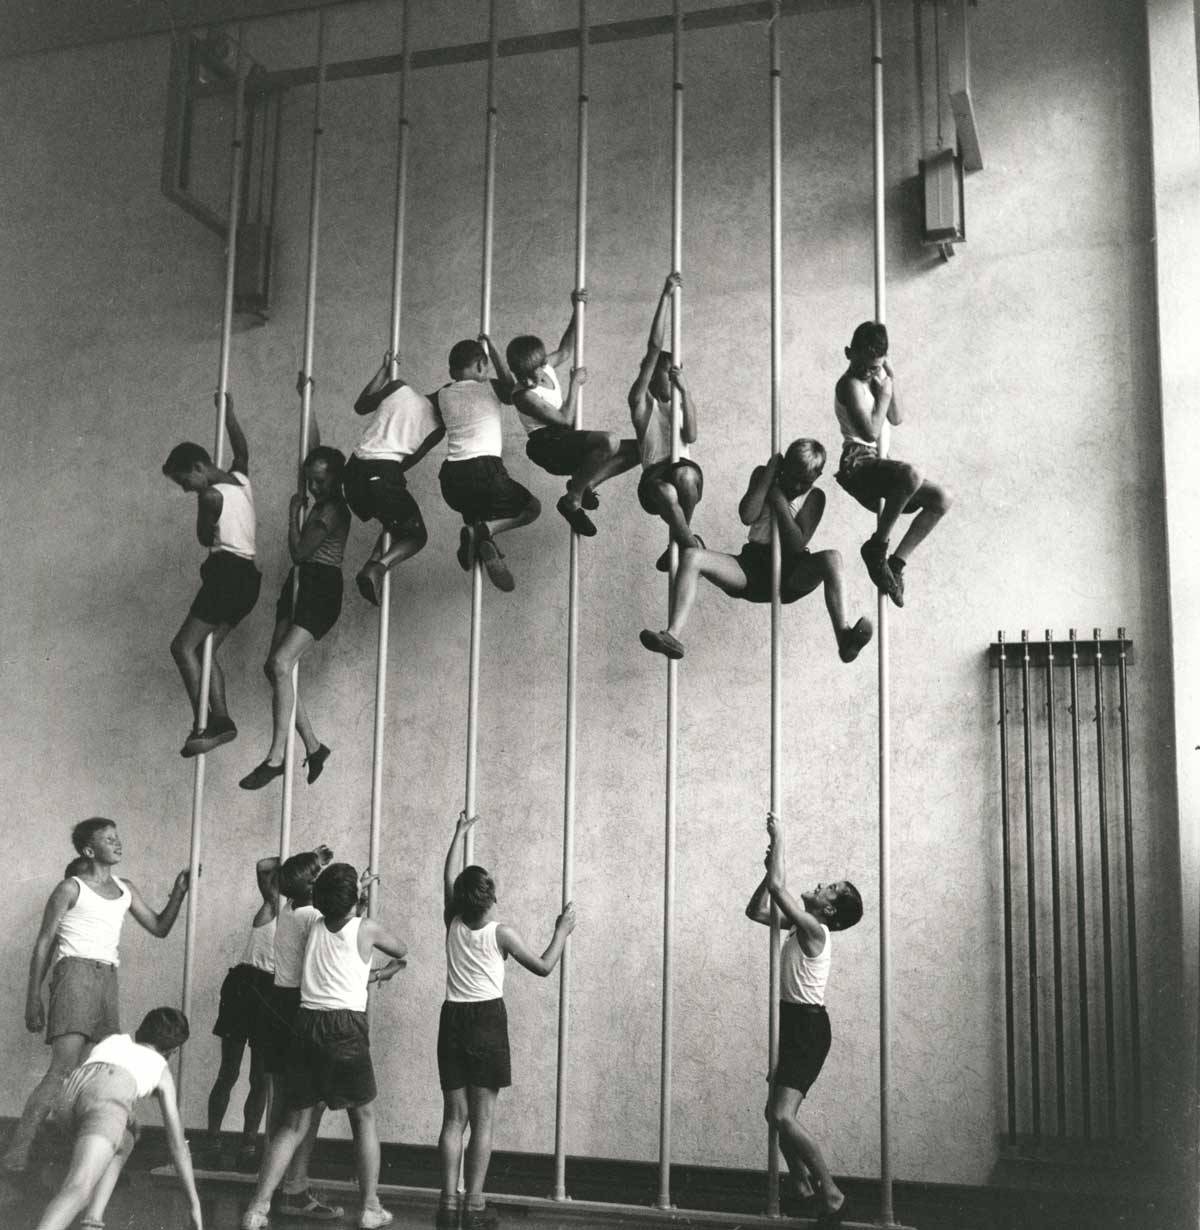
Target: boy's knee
x,y
665,495
909,476
612,444
267,670
533,510
276,669
687,481
179,649
830,562
942,500
361,1114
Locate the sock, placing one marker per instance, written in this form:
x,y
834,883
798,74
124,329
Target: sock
x,y
449,1202
476,1203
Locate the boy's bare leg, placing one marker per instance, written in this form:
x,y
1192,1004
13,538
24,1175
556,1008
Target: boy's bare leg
x,y
66,1051
609,457
502,525
481,1108
291,648
279,1154
676,511
89,1160
366,1153
232,1050
905,483
102,1192
782,1112
255,1104
188,651
850,640
450,1141
296,1178
722,570
933,502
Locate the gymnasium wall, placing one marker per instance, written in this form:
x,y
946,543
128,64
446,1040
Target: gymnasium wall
x,y
1026,366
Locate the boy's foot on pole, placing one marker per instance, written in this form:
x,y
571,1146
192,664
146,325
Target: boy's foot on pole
x,y
896,564
315,762
261,775
489,555
852,640
663,563
218,731
306,1204
874,555
661,642
370,581
579,521
463,552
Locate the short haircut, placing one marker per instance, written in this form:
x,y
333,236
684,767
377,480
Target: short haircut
x,y
165,1029
335,893
808,456
76,867
474,892
297,874
525,355
84,833
465,354
334,458
184,456
848,908
870,338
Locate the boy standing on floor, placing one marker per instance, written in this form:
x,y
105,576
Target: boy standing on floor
x,y
330,1060
667,489
96,1107
804,1034
403,426
473,478
864,398
230,580
585,458
79,938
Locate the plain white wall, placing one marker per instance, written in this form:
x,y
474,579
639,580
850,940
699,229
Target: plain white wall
x,y
1027,370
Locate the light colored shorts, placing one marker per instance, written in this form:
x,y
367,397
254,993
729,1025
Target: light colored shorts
x,y
97,1100
83,999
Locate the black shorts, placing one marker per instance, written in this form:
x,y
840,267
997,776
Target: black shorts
x,y
376,490
664,472
799,574
330,1060
277,1027
229,586
320,600
557,450
480,489
243,998
866,476
472,1045
804,1038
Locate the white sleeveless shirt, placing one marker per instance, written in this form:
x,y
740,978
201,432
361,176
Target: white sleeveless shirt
x,y
760,530
291,934
398,427
235,525
474,963
143,1063
849,431
334,976
655,443
551,395
260,947
91,928
471,411
802,978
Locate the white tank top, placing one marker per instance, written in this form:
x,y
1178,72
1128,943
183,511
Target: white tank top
x,y
656,439
398,427
235,525
335,976
260,947
291,932
802,978
91,928
551,394
760,530
849,431
143,1063
471,411
474,963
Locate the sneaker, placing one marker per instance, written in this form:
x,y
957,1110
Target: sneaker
x,y
480,1219
447,1217
579,521
661,642
255,1219
261,775
308,1204
492,560
874,555
896,564
590,500
663,563
852,640
218,731
372,1219
370,581
463,553
315,761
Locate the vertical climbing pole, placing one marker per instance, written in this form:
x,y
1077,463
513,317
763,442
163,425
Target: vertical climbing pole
x,y
664,1111
568,864
385,593
776,567
234,211
306,390
485,326
885,699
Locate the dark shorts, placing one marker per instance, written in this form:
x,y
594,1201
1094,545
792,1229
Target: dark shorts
x,y
320,601
472,1045
868,477
244,995
664,472
799,574
83,999
229,586
804,1039
377,491
557,450
480,489
96,1100
277,1027
330,1060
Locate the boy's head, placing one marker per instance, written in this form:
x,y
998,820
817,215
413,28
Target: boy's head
x,y
165,1029
474,893
335,893
838,905
323,471
867,350
186,466
297,874
96,839
525,355
660,379
802,466
468,360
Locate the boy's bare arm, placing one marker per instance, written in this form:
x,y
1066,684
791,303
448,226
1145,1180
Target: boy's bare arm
x,y
689,428
266,873
894,414
208,512
528,402
497,360
377,388
794,535
758,908
866,405
453,863
432,440
159,924
566,346
751,504
237,439
791,909
654,347
173,1129
512,945
64,896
